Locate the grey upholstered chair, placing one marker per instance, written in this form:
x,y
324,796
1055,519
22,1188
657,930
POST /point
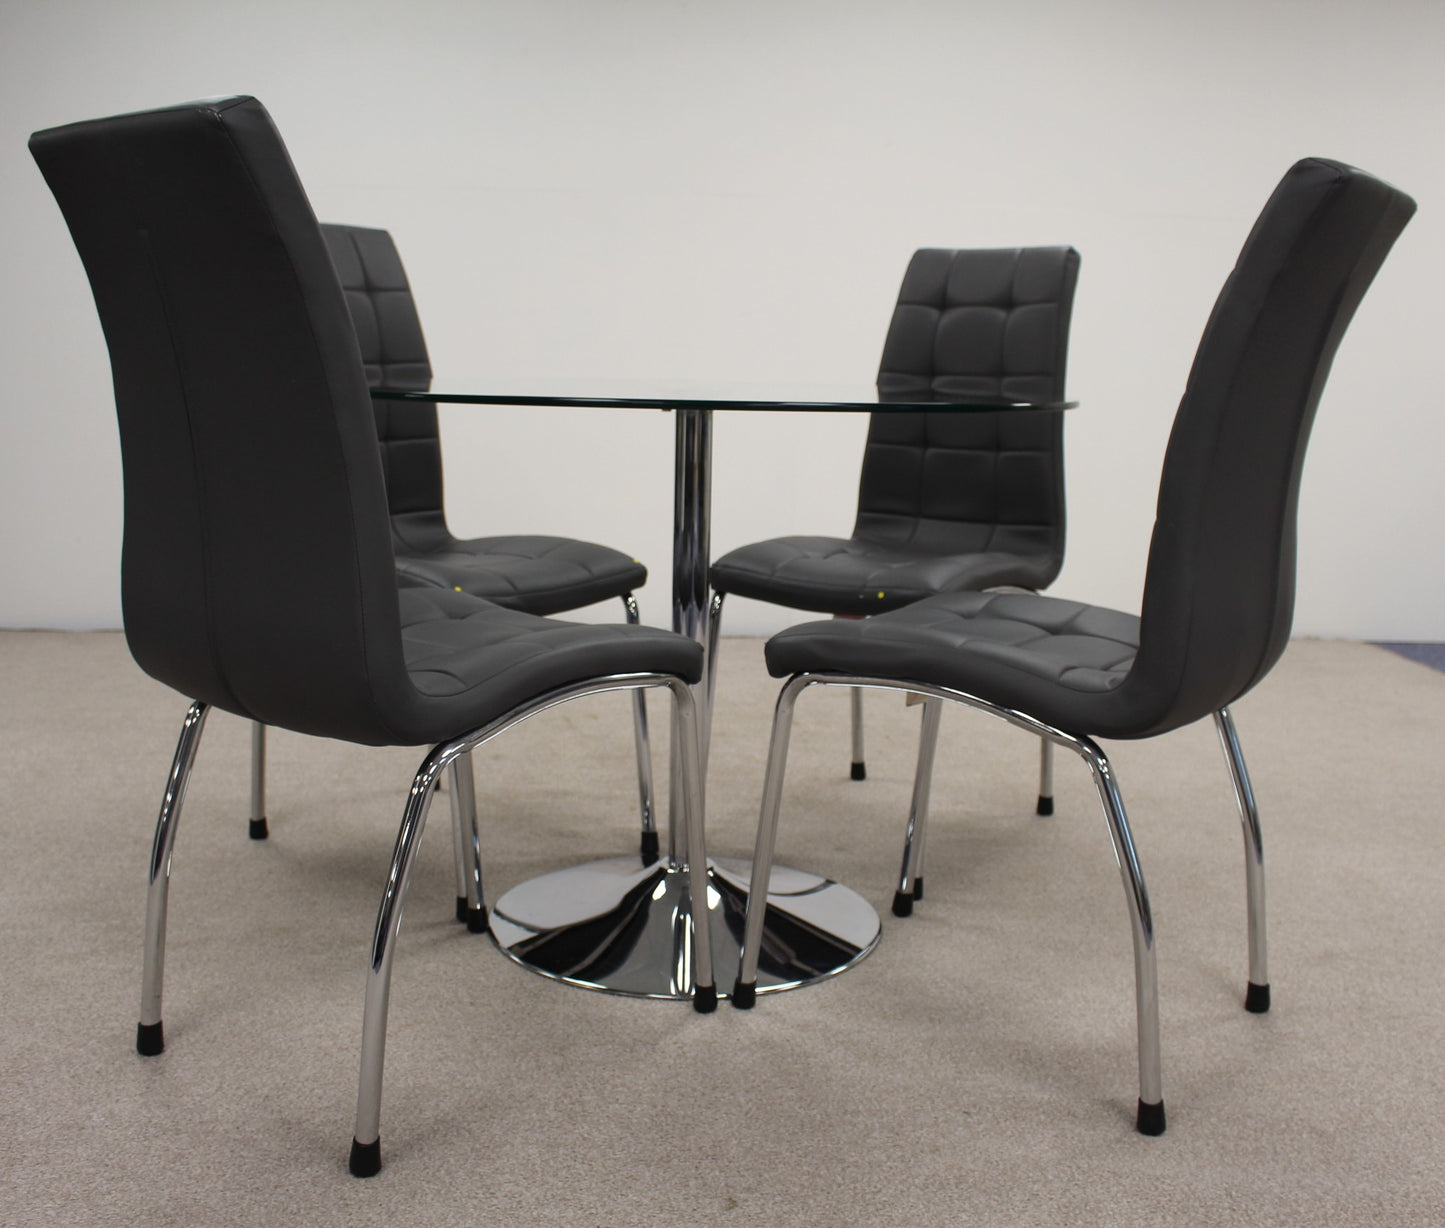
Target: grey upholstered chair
x,y
244,417
529,572
946,502
1218,592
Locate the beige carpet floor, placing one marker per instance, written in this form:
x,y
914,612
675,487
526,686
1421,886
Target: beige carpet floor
x,y
978,1068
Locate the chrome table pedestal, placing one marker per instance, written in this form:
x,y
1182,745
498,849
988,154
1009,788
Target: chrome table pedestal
x,y
617,927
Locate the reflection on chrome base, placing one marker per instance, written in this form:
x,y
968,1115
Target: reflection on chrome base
x,y
611,926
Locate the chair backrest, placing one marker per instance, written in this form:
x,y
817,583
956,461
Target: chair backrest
x,y
989,321
257,571
393,352
1219,589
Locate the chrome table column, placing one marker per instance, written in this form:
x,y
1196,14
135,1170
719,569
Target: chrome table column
x,y
623,928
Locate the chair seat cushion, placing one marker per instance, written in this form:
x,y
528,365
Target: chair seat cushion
x,y
1062,662
541,575
471,661
846,575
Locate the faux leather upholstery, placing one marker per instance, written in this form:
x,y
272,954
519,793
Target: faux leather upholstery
x,y
537,573
1219,590
257,570
946,502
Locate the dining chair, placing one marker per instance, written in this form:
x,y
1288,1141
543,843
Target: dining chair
x,y
946,502
534,573
244,413
1219,587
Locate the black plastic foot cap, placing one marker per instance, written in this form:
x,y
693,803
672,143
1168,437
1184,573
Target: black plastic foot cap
x,y
859,771
918,888
462,909
150,1039
1256,999
650,849
1045,806
476,920
1151,1118
745,997
902,904
258,828
365,1158
704,999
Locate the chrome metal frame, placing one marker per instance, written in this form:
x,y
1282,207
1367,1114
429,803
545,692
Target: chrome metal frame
x,y
910,879
471,899
858,767
1151,1105
643,746
258,827
453,755
150,1036
1257,995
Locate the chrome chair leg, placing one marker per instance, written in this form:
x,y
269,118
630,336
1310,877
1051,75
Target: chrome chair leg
x,y
150,1033
910,880
858,769
258,829
649,847
1150,1119
1046,778
459,858
471,900
745,988
365,1160
714,630
1256,997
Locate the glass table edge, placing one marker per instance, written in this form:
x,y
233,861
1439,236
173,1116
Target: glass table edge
x,y
901,405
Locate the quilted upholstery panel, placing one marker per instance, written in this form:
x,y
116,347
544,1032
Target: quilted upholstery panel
x,y
1062,661
835,575
946,501
490,659
993,322
393,352
543,575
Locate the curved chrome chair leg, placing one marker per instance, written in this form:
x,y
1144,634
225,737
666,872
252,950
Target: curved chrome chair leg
x,y
910,879
366,1144
150,1034
745,989
259,829
1150,1118
648,845
1046,778
858,769
1256,997
365,1160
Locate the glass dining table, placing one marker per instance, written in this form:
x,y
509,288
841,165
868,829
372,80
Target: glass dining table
x,y
617,925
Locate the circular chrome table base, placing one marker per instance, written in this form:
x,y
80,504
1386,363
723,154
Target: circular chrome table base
x,y
619,928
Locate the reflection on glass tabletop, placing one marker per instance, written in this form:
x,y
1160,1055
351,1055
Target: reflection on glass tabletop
x,y
958,394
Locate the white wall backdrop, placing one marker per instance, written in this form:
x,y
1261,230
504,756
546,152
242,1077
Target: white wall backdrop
x,y
672,187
